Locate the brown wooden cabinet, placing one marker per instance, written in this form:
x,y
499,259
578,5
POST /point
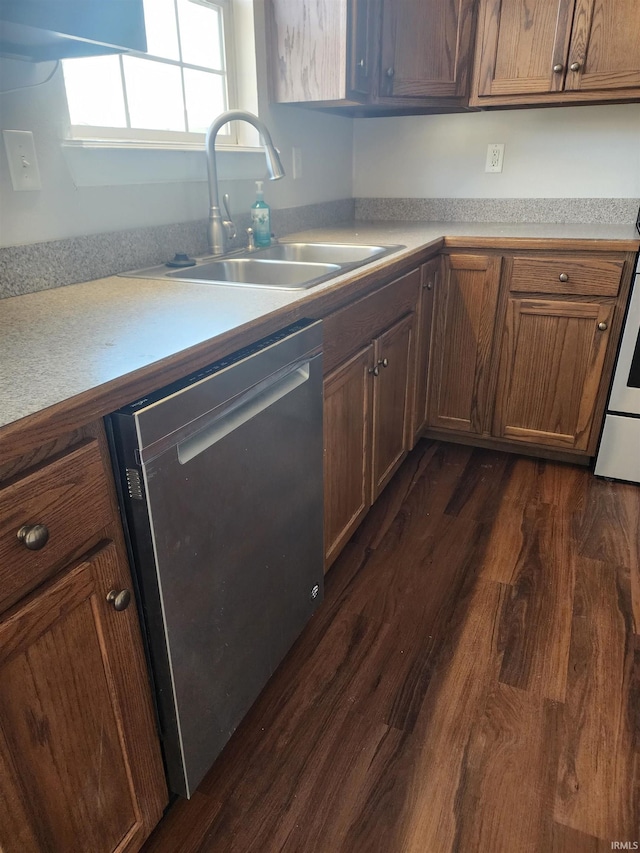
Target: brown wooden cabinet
x,y
557,51
522,359
368,403
462,339
392,398
550,370
426,48
347,449
80,765
370,56
430,282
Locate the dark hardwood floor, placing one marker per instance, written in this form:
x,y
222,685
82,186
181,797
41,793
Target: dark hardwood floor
x,y
471,682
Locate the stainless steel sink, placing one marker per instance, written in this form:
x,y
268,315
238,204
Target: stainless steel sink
x,y
283,266
320,253
255,272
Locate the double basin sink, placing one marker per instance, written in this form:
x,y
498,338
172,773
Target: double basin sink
x,y
282,266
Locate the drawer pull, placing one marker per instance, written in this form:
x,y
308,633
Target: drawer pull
x,y
603,327
120,600
563,276
33,536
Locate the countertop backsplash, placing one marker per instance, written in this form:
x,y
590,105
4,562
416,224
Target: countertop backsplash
x,y
600,211
56,263
42,266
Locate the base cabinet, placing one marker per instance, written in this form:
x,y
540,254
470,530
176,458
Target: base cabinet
x,y
430,275
522,348
551,363
347,449
462,338
368,403
80,764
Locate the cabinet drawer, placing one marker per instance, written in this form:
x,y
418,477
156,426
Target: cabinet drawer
x,y
566,274
69,496
352,328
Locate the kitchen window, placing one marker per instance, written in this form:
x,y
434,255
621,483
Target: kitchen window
x,y
167,96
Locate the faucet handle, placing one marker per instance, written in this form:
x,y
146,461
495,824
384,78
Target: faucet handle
x,y
228,223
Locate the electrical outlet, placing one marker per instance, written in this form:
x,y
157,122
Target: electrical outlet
x,y
23,164
296,158
495,156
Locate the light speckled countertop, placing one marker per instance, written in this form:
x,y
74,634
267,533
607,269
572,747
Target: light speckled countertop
x,y
59,343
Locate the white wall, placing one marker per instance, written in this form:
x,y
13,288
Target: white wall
x,y
571,152
99,190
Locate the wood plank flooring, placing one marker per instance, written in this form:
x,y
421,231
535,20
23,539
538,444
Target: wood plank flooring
x,y
471,682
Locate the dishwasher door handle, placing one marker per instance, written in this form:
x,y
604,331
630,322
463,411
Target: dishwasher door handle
x,y
250,404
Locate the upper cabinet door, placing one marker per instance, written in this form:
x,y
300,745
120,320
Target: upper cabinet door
x,y
362,29
605,46
307,47
524,46
426,48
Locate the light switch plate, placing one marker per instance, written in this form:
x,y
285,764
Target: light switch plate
x,y
23,163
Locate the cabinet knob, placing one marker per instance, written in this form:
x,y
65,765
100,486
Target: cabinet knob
x,y
559,68
375,370
390,72
361,63
575,66
120,600
33,536
563,276
428,285
384,362
603,327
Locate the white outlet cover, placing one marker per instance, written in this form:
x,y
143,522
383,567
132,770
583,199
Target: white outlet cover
x,y
23,163
495,157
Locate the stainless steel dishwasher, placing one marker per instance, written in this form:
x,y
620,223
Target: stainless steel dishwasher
x,y
221,484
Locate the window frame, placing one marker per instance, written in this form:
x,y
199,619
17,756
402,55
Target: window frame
x,y
132,137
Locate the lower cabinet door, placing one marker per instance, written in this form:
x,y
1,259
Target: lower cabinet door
x,y
430,282
391,401
463,327
551,363
347,453
80,766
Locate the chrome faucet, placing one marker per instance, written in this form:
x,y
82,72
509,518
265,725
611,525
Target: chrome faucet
x,y
221,230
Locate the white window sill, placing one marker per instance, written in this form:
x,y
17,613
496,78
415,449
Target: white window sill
x,y
156,145
101,163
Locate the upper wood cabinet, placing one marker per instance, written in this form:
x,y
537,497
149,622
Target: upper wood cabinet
x,y
556,51
426,48
370,56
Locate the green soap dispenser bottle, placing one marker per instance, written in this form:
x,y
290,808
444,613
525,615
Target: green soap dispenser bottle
x,y
261,218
